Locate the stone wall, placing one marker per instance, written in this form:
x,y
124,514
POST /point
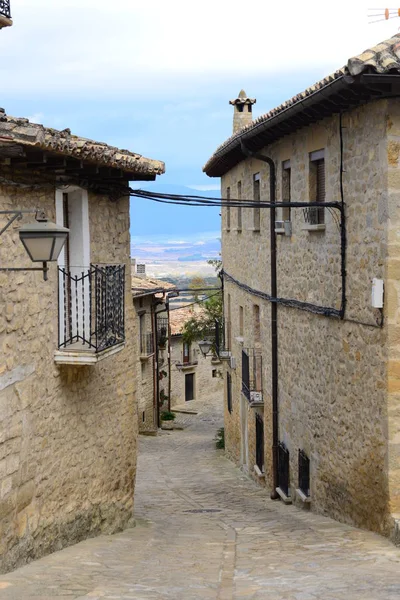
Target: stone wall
x,y
333,376
205,384
67,434
145,369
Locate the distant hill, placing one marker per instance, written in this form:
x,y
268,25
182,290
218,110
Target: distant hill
x,y
152,218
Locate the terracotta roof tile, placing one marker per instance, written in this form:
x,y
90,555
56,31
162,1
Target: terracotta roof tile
x,y
142,286
21,131
178,317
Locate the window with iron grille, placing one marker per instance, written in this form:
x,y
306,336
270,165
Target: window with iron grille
x,y
229,391
286,188
283,469
228,210
314,214
304,473
256,198
260,442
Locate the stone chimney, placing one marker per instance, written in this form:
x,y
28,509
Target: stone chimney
x,y
242,110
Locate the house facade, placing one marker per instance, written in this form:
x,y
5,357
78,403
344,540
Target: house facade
x,y
150,299
312,364
68,403
193,376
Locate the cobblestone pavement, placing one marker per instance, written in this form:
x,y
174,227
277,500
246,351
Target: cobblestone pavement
x,y
204,531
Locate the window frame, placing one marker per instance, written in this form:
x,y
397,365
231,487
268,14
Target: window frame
x,y
256,198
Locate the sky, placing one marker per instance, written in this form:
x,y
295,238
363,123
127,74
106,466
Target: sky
x,y
156,77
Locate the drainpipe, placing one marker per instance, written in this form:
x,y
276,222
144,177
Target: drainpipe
x,y
274,315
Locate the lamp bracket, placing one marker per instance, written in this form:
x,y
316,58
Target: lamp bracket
x,y
17,214
44,269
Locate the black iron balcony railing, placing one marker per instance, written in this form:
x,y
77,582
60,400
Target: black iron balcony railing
x,y
304,473
146,344
162,331
252,374
5,10
222,336
283,469
92,307
314,215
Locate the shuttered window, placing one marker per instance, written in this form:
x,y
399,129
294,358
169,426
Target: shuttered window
x,y
228,210
256,198
317,185
239,210
229,391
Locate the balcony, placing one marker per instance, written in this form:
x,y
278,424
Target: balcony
x,y
223,337
5,14
91,315
146,346
252,376
162,332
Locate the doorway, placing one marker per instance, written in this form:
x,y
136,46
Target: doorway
x,y
189,387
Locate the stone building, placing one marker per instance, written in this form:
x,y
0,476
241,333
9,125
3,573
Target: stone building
x,y
193,376
5,14
68,406
150,299
312,376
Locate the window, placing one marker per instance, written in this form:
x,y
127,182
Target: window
x,y
186,352
256,322
245,374
317,186
241,320
228,326
256,198
283,469
260,442
286,188
229,391
228,210
304,473
239,210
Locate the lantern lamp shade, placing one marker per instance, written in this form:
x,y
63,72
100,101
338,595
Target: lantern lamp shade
x,y
43,240
205,347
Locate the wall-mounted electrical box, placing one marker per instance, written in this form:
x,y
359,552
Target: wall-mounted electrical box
x,y
377,293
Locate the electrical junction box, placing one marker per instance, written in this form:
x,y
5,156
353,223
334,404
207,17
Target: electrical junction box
x,y
232,362
377,293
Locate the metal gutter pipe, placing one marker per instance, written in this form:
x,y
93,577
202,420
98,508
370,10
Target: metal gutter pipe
x,y
274,315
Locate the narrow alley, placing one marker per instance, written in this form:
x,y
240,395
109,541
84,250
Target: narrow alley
x,y
205,531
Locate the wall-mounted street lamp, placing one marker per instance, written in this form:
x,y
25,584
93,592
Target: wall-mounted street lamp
x,y
205,347
42,240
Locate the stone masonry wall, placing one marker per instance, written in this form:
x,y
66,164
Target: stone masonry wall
x,y
67,434
145,370
204,382
333,398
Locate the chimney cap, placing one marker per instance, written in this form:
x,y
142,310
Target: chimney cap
x,y
242,99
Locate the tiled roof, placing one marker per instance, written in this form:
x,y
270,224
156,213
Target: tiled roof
x,y
143,286
383,58
179,316
16,131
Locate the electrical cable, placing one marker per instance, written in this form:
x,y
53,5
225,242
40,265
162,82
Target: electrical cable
x,y
197,302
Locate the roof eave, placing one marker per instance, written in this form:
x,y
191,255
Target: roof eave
x,y
336,96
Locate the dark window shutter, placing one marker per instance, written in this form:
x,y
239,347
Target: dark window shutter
x,y
229,391
321,181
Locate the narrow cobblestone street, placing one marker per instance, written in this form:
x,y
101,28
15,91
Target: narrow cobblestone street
x,y
205,531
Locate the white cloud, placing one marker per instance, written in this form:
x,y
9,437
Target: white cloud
x,y
36,118
178,48
199,244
